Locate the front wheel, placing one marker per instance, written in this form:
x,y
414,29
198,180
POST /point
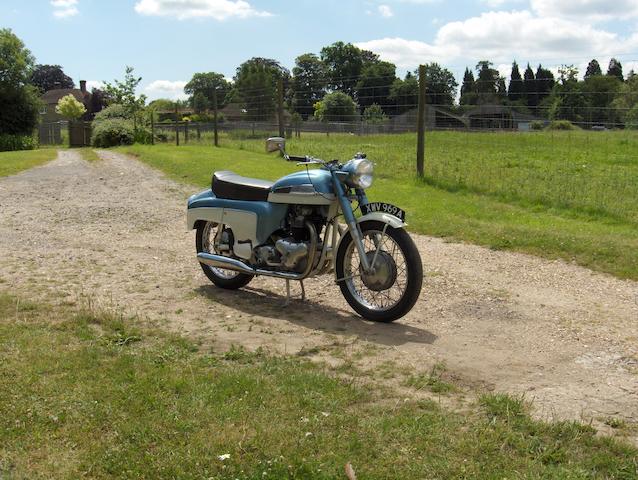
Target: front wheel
x,y
389,291
211,238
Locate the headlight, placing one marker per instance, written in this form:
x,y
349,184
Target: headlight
x,y
361,173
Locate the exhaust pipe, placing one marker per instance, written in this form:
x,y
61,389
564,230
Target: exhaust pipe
x,y
219,261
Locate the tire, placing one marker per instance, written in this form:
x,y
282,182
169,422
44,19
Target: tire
x,y
234,282
412,267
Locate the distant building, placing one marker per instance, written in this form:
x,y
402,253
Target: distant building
x,y
51,98
499,117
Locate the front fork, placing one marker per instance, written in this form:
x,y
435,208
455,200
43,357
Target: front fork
x,y
351,221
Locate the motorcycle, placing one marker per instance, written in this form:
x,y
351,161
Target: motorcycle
x,y
291,229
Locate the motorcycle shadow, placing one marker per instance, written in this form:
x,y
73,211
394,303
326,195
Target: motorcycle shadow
x,y
318,316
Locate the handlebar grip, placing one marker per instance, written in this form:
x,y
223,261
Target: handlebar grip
x,y
292,158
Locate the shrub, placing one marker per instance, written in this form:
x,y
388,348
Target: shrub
x,y
112,112
10,143
631,119
374,115
336,107
112,132
561,125
537,125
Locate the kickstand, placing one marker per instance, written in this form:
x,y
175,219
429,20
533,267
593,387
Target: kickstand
x,y
289,296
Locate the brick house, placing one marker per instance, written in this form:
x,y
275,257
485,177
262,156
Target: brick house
x,y
51,98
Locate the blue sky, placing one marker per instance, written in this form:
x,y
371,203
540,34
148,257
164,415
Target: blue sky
x,y
168,40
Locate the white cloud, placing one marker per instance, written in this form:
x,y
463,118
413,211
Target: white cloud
x,y
173,90
64,8
91,84
185,9
386,11
589,9
503,36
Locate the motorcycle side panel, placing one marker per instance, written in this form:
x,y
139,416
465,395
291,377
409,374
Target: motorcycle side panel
x,y
251,222
312,187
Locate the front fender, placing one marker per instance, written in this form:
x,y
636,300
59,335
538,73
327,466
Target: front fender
x,y
390,220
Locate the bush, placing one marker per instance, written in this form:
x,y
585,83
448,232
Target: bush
x,y
10,143
631,119
112,112
112,132
561,125
537,125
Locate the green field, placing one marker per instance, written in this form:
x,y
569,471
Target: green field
x,y
14,162
87,394
568,195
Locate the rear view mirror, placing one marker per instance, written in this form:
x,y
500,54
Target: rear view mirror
x,y
274,144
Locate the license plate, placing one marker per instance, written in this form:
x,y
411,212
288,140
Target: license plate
x,y
383,208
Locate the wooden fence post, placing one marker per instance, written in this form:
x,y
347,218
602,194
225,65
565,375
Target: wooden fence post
x,y
420,144
152,129
215,126
280,106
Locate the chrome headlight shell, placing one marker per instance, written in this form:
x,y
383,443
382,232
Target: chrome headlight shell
x,y
361,173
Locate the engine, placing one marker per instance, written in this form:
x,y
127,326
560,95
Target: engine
x,y
289,248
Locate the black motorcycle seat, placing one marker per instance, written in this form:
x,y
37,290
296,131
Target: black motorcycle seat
x,y
231,186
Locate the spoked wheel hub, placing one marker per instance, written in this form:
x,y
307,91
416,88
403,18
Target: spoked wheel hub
x,y
382,274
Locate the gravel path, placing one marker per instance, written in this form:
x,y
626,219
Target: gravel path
x,y
114,230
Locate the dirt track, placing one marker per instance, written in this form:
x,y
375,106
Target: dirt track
x,y
115,230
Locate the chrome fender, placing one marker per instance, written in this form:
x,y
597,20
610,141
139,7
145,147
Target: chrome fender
x,y
389,220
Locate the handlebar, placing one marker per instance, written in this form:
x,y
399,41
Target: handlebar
x,y
292,158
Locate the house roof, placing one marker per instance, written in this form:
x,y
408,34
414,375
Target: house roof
x,y
54,96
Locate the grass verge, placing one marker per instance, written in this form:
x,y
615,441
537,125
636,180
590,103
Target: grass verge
x,y
600,242
100,396
15,162
88,154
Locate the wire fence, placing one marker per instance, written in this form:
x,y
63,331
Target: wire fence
x,y
500,148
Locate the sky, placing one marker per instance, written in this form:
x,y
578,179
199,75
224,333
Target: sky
x,y
166,41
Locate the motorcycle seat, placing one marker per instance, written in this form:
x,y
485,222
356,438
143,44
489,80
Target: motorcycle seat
x,y
230,186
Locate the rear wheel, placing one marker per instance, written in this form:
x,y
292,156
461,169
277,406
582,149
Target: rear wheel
x,y
210,236
391,290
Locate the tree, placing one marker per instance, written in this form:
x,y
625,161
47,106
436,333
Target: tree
x,y
530,87
487,83
50,77
336,107
344,63
615,70
256,84
70,108
309,83
516,89
568,101
440,85
199,102
593,69
626,102
375,84
18,101
99,100
469,95
204,85
544,84
600,92
404,94
124,92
